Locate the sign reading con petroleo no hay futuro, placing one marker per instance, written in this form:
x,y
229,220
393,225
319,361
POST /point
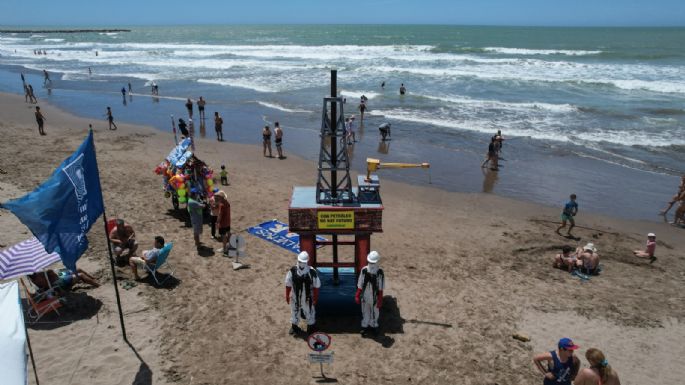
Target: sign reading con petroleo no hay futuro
x,y
332,220
279,234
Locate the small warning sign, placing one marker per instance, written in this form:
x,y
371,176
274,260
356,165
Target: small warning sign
x,y
335,219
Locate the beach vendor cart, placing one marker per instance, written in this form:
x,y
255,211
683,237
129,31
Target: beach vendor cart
x,y
183,172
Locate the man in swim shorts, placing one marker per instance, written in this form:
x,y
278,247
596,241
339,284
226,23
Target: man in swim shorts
x,y
570,211
123,238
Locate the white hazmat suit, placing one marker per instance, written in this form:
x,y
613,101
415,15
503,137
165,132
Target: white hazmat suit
x,y
370,285
302,285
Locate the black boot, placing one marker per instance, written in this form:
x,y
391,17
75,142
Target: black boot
x,y
294,329
365,332
311,329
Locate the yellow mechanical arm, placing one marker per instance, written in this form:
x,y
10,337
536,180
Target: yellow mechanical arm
x,y
374,164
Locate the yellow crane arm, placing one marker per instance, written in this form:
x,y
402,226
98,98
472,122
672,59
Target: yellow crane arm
x,y
374,164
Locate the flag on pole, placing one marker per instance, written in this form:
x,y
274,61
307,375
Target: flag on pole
x,y
62,209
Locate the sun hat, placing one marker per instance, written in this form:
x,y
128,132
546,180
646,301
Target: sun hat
x,y
222,194
590,246
567,343
651,235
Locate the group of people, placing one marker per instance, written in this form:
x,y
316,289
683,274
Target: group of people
x,y
266,140
562,367
584,259
201,102
302,284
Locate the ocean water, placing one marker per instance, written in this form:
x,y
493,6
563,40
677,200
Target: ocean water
x,y
596,111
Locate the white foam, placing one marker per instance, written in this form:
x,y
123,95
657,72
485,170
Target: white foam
x,y
526,51
279,107
496,104
238,83
358,94
54,40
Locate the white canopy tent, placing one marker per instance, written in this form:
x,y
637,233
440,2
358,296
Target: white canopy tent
x,y
14,361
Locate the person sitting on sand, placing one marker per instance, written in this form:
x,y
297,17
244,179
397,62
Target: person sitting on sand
x,y
149,257
562,366
588,259
566,259
63,279
648,252
599,372
124,238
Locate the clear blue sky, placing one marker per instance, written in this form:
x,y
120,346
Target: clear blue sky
x,y
467,12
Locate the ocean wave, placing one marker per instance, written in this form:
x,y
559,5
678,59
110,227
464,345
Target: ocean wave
x,y
279,107
239,83
358,94
54,40
496,104
526,51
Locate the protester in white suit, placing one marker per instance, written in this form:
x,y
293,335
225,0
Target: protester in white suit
x,y
301,292
369,294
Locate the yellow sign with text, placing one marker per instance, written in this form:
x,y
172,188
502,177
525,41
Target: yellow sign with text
x,y
334,220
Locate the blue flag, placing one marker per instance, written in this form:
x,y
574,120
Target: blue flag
x,y
60,211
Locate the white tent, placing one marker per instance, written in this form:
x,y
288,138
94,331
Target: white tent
x,y
12,336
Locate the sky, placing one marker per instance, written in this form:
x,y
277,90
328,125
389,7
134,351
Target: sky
x,y
97,13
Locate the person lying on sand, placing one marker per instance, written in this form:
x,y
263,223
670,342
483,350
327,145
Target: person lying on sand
x,y
648,252
62,280
566,259
588,259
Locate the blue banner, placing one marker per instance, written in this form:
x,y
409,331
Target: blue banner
x,y
62,209
277,233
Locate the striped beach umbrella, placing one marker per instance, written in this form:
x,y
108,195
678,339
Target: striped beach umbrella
x,y
25,258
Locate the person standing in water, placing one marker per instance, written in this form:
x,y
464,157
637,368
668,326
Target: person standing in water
x,y
278,131
201,108
218,127
266,140
403,89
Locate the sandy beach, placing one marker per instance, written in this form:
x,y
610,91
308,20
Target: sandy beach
x,y
464,273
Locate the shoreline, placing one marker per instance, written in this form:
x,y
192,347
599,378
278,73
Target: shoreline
x,y
477,263
536,172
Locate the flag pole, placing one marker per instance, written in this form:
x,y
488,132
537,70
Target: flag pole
x,y
33,360
173,126
114,277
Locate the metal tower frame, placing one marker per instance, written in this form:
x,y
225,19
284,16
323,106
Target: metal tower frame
x,y
330,189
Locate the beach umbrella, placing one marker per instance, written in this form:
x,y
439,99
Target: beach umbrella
x,y
25,258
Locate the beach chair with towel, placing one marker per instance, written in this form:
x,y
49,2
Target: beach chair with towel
x,y
41,303
161,261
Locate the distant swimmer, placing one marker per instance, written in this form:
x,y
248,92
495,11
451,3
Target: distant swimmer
x,y
123,92
362,108
96,53
130,90
383,85
90,71
46,77
403,89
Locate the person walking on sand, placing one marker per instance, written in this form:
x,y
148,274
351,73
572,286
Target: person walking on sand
x,y
26,93
599,372
213,215
679,196
201,108
568,214
370,293
32,96
40,119
648,252
266,140
189,106
562,366
224,219
195,209
110,119
302,285
218,127
278,132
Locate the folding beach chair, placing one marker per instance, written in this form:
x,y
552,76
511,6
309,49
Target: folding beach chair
x,y
160,262
41,304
